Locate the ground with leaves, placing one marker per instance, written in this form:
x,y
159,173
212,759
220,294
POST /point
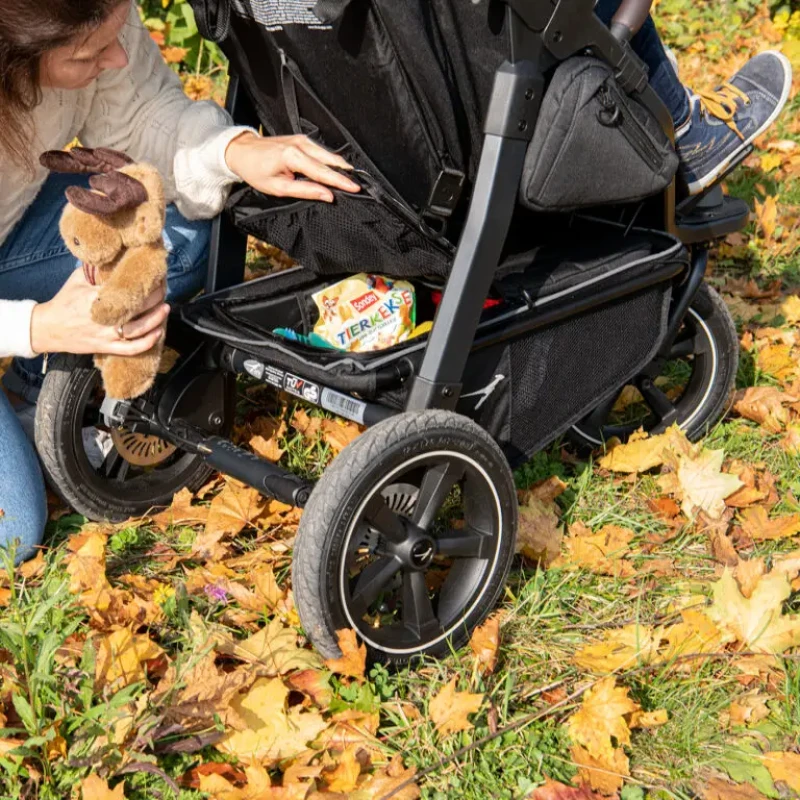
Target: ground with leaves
x,y
648,642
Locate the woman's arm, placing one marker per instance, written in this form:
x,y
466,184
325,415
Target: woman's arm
x,y
15,332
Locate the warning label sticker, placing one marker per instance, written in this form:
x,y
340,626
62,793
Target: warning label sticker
x,y
275,15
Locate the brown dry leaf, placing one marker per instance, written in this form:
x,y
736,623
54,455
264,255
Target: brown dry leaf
x,y
232,510
273,731
95,788
258,786
273,650
723,550
386,782
766,406
313,683
757,488
267,448
545,491
337,434
353,661
767,216
205,691
539,533
87,566
699,483
449,709
757,622
748,572
181,512
602,552
485,642
749,709
606,775
757,525
784,767
791,441
619,649
719,789
121,656
553,790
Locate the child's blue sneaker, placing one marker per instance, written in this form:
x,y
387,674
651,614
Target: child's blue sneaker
x,y
724,122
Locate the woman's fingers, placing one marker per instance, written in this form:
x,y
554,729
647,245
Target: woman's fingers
x,y
135,347
289,187
320,153
147,322
155,298
298,160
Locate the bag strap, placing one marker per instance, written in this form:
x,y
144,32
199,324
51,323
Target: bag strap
x,y
213,18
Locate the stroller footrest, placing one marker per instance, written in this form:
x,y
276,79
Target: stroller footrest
x,y
708,222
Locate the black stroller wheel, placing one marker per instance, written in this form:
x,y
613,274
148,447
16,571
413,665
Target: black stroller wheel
x,y
111,475
407,538
691,387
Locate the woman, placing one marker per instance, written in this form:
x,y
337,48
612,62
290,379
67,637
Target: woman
x,y
89,70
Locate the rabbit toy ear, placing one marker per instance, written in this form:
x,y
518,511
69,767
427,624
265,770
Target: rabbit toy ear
x,y
111,193
84,161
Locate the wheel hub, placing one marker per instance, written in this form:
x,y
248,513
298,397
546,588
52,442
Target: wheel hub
x,y
140,449
422,553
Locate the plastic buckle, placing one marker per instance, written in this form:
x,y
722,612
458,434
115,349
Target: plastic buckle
x,y
446,193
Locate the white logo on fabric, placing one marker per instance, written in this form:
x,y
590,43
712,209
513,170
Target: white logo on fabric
x,y
486,392
275,14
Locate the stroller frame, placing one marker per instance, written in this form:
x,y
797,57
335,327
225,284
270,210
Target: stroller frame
x,y
193,406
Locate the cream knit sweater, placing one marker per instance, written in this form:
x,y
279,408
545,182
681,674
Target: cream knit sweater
x,y
143,111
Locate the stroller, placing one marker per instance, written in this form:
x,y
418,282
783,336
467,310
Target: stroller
x,y
509,151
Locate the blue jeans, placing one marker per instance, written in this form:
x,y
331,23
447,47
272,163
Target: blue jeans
x,y
34,264
647,45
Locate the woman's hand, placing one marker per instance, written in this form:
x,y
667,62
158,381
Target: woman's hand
x,y
64,324
271,164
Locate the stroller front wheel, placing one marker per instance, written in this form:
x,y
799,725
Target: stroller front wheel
x,y
407,538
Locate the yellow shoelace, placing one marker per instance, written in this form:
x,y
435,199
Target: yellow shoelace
x,y
721,103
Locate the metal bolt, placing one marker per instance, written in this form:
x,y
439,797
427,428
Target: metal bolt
x,y
557,37
447,392
215,420
529,94
522,125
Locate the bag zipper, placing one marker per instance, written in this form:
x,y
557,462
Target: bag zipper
x,y
630,128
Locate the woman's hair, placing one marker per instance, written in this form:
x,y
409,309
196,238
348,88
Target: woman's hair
x,y
29,29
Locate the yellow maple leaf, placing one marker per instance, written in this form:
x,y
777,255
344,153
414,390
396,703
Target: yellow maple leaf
x,y
95,788
120,658
181,512
619,649
771,161
258,787
696,633
233,509
606,775
757,525
784,767
767,216
777,360
271,732
345,776
699,483
639,454
449,709
602,552
757,622
648,719
790,308
273,649
353,661
601,718
484,642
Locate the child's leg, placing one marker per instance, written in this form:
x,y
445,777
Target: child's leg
x,y
648,46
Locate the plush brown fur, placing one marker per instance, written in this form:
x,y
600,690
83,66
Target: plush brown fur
x,y
124,252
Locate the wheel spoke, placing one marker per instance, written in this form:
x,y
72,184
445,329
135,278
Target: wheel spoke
x,y
111,463
467,543
418,616
436,484
384,520
371,582
660,404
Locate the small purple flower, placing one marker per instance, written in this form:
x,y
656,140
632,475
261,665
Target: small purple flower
x,y
216,593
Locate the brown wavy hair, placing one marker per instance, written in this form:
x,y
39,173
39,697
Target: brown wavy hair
x,y
29,29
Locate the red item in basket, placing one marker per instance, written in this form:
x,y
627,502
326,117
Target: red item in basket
x,y
491,302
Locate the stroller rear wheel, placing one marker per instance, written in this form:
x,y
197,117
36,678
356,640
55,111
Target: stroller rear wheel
x,y
407,538
104,475
691,387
